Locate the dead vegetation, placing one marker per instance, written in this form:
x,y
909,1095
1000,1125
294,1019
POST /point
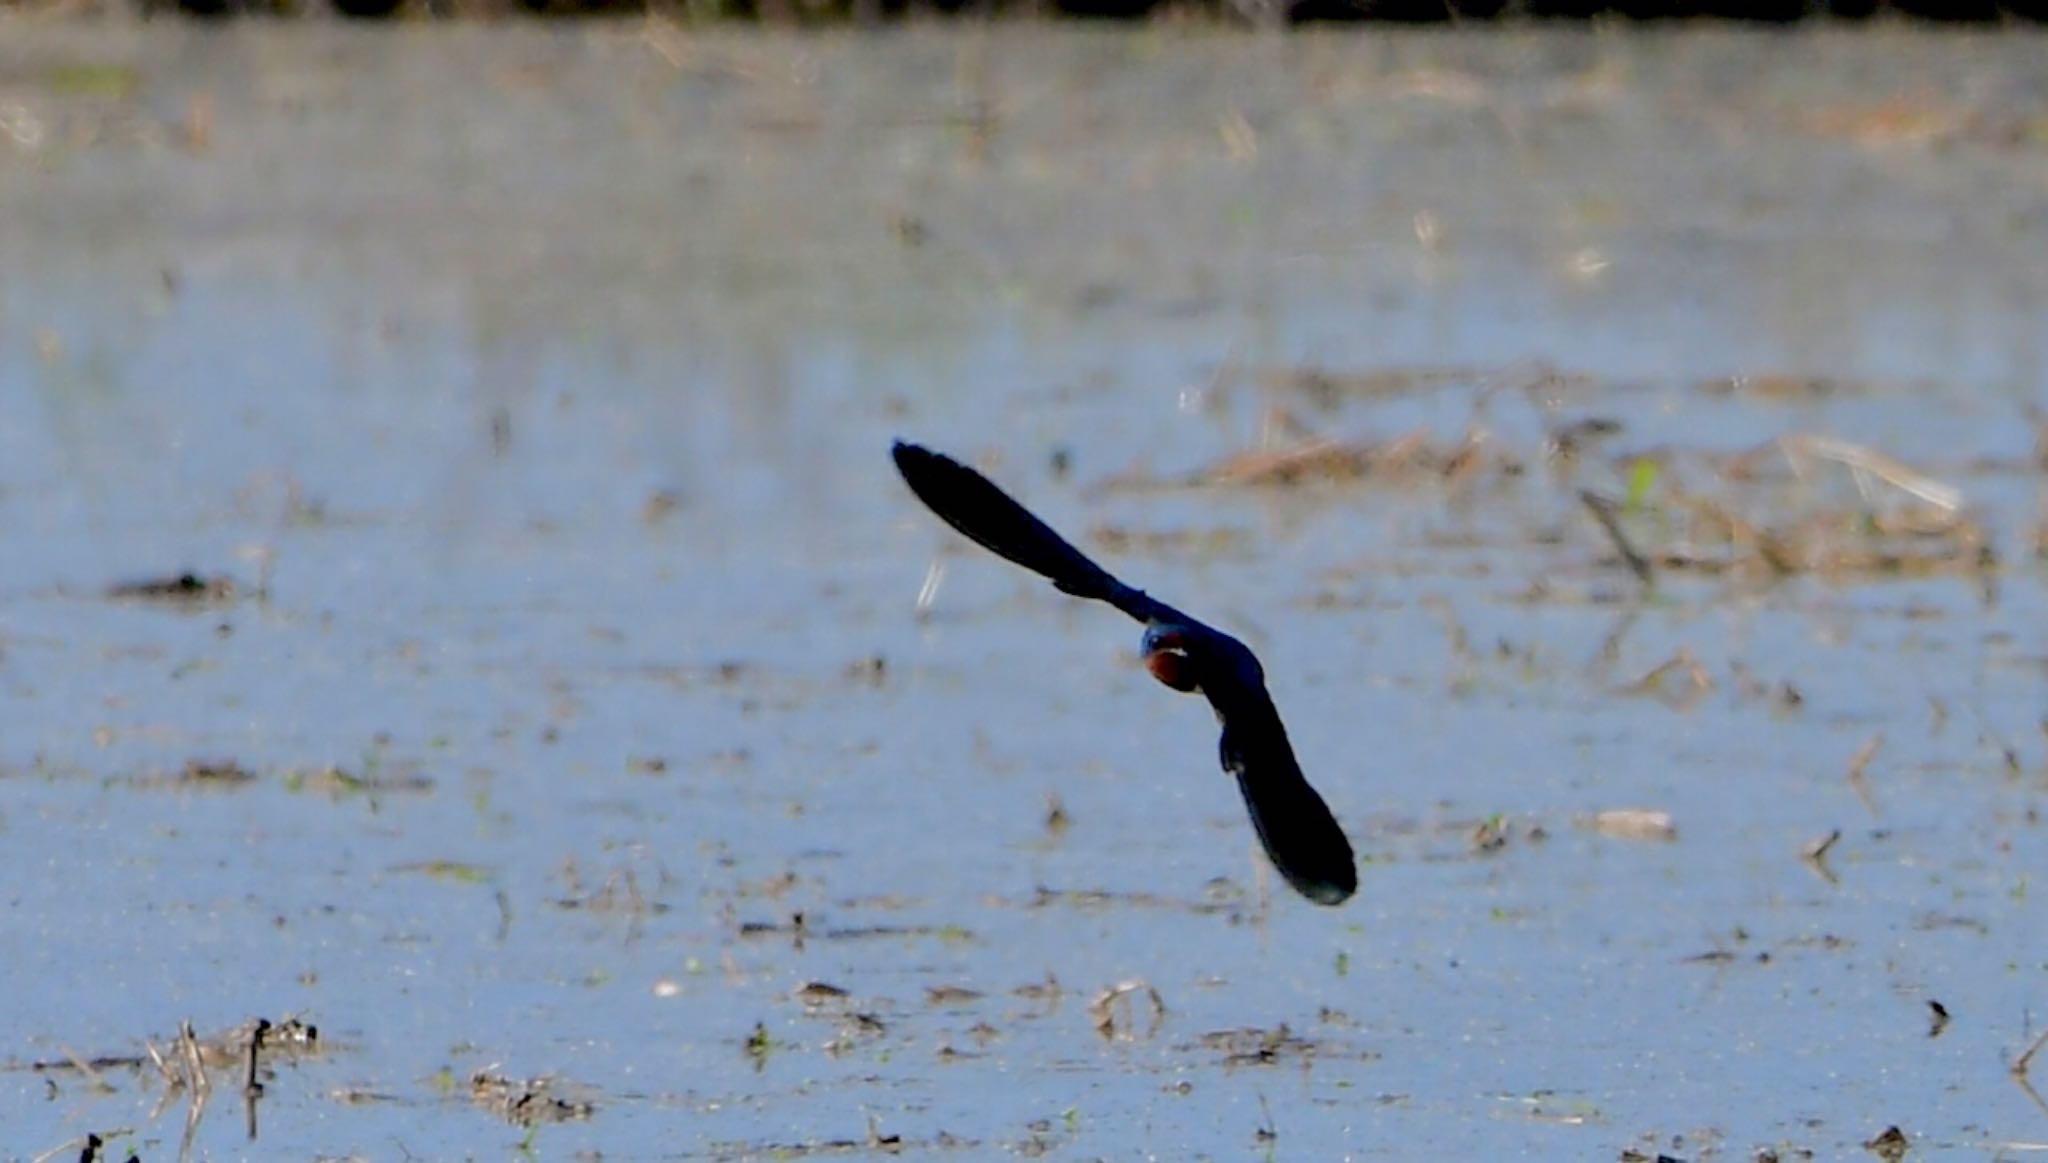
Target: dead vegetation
x,y
876,1142
1890,1145
619,893
290,1039
183,590
528,1102
1096,899
201,774
1815,855
1799,504
1258,1046
1118,1016
185,1066
1634,824
214,773
1412,459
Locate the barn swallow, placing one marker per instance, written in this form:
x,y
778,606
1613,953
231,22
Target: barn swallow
x,y
1300,835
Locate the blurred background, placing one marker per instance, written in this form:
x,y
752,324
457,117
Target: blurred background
x,y
458,608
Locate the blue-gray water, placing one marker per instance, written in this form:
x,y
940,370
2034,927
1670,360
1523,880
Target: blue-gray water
x,y
541,381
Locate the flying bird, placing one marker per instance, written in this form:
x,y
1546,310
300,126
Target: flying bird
x,y
1300,835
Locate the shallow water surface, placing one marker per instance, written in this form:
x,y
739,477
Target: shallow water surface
x,y
600,746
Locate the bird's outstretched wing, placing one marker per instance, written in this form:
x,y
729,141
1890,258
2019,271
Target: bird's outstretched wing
x,y
974,505
1300,835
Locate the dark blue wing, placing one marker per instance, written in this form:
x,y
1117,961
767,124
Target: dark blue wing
x,y
974,505
1300,835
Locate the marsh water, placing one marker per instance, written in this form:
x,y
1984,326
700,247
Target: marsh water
x,y
572,717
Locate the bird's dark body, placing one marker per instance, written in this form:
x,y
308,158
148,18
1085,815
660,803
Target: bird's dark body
x,y
1300,835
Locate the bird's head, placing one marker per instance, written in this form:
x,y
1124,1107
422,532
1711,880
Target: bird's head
x,y
1171,654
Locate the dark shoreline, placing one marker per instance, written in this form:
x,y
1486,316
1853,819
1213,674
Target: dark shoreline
x,y
1248,13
